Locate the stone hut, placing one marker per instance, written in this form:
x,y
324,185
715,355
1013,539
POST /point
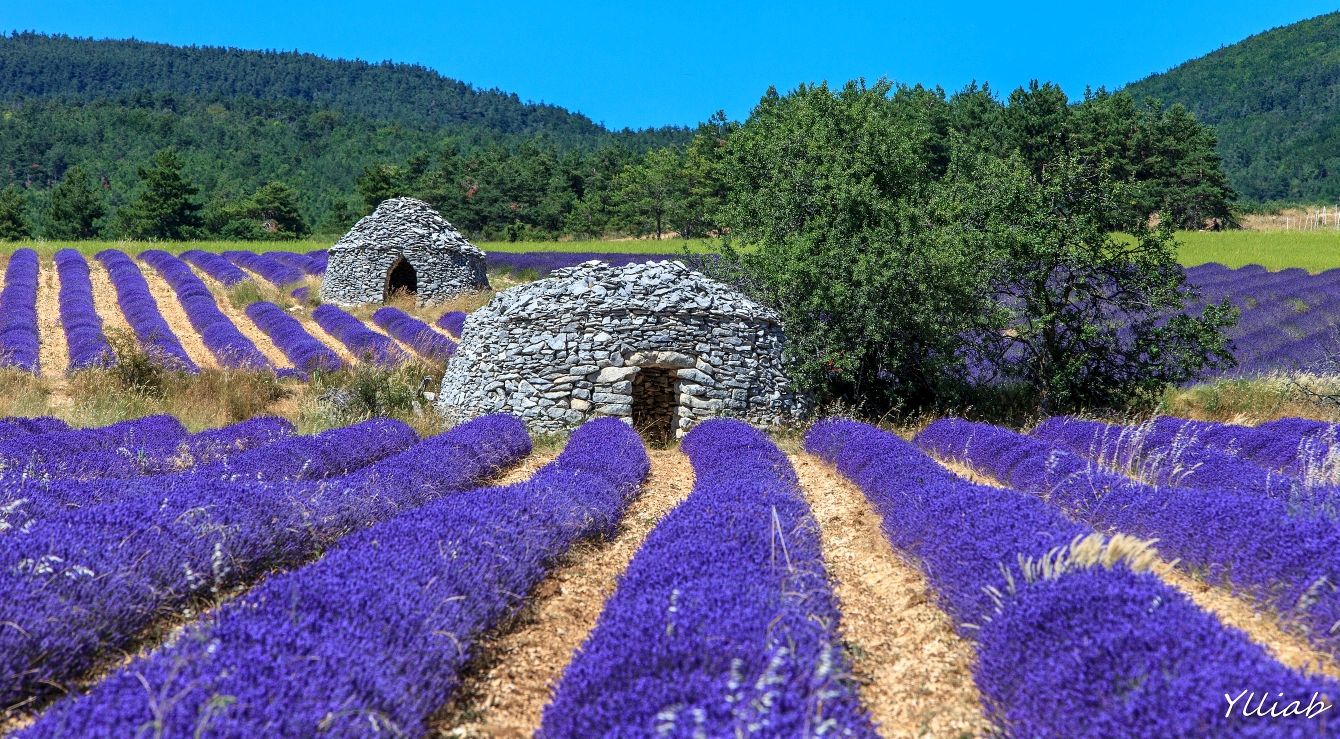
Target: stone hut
x,y
403,246
658,344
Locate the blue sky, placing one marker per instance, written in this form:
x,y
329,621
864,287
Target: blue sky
x,y
649,63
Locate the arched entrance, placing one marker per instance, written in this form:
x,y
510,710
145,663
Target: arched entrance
x,y
401,279
655,403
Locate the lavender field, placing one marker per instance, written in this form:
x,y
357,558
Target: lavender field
x,y
365,581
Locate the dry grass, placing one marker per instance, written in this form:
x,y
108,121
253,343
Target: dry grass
x,y
1254,401
23,394
53,352
914,672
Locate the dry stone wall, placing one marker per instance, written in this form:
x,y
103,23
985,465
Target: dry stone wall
x,y
445,263
562,350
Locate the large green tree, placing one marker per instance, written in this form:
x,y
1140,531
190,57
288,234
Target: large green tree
x,y
1083,317
74,208
270,213
915,265
828,194
13,219
165,206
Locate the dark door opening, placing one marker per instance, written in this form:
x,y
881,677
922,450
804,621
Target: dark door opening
x,y
655,404
401,279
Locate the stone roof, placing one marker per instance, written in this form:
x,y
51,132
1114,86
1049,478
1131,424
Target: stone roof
x,y
405,224
595,287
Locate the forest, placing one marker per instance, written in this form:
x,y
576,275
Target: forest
x,y
277,145
1272,100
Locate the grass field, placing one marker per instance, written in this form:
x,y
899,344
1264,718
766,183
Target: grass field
x,y
1315,251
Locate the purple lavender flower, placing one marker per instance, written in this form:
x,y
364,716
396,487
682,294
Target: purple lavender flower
x,y
364,343
141,311
18,312
416,334
302,349
724,623
78,315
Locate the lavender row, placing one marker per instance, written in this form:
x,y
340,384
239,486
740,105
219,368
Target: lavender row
x,y
382,625
415,334
319,259
141,311
365,344
270,269
44,482
303,262
252,451
1167,452
307,353
78,316
1243,540
87,581
48,450
452,321
225,342
18,313
215,266
723,624
1073,637
16,426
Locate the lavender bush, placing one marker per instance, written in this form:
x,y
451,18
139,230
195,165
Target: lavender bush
x,y
1072,640
225,342
416,334
453,321
364,343
78,316
84,582
1167,453
270,269
215,266
303,262
302,349
141,311
13,426
18,313
723,624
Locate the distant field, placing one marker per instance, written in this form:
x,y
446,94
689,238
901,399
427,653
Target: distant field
x,y
641,246
1315,251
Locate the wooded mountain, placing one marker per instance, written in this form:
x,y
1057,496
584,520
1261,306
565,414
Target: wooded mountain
x,y
1274,101
243,118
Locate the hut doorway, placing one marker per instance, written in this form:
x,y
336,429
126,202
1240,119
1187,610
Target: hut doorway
x,y
401,278
655,404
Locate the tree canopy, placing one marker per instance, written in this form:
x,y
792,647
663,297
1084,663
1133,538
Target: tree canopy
x,y
918,264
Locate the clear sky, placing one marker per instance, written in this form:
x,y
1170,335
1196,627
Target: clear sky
x,y
639,64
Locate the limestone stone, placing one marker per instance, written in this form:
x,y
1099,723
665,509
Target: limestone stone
x,y
657,345
403,231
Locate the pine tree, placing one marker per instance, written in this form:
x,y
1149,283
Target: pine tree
x,y
166,206
13,223
75,207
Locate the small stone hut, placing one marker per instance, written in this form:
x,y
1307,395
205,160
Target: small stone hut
x,y
658,344
403,246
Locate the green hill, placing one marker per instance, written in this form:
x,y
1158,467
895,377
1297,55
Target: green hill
x,y
243,118
1274,101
